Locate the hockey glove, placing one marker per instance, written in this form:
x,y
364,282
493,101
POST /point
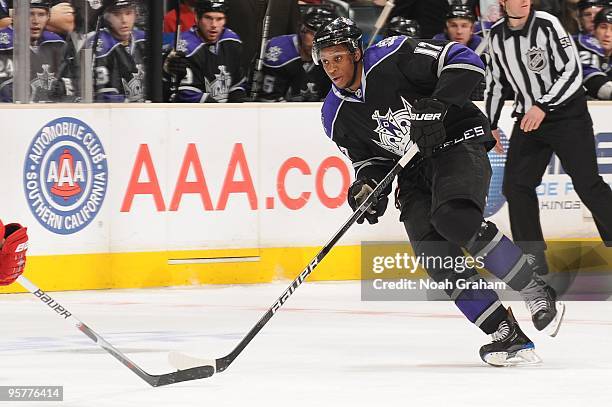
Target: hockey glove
x,y
176,64
427,127
13,252
359,191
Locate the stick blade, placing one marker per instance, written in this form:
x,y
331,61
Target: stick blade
x,y
181,361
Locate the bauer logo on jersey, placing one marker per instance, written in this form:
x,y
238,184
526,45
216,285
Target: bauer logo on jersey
x,y
536,59
65,175
394,129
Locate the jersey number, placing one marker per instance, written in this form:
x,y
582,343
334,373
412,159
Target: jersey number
x,y
428,49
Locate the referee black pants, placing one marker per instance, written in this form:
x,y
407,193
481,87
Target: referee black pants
x,y
529,154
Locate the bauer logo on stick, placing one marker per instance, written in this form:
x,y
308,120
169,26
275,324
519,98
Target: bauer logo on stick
x,y
65,175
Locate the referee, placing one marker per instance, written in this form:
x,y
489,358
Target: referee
x,y
531,53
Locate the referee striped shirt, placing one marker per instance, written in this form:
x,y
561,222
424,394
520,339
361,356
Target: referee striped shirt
x,y
539,62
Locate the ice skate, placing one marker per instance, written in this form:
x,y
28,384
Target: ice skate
x,y
510,346
546,313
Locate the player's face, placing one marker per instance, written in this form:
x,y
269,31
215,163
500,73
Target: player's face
x,y
211,25
122,22
603,33
38,21
338,64
307,39
586,18
459,29
517,8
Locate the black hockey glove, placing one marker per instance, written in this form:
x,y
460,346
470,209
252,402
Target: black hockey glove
x,y
427,127
359,191
176,64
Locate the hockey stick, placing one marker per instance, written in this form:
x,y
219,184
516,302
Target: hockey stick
x,y
181,361
153,380
176,81
257,73
382,20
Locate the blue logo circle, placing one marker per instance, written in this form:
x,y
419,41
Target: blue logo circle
x,y
65,175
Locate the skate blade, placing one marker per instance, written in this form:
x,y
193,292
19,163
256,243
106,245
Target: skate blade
x,y
553,327
523,357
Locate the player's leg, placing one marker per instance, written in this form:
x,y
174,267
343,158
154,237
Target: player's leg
x,y
528,157
460,180
481,306
575,146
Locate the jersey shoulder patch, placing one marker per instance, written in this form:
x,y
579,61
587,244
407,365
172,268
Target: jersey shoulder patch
x,y
139,35
382,50
329,112
440,36
190,42
590,43
281,50
48,36
106,43
6,39
229,35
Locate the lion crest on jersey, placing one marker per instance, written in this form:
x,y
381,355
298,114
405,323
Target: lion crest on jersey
x,y
220,86
393,128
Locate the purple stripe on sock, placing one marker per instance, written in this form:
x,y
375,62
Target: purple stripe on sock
x,y
474,302
502,258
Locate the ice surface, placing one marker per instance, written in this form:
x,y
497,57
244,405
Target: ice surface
x,y
324,348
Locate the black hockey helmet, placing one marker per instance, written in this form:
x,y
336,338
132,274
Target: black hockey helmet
x,y
604,16
209,6
460,11
117,4
316,17
46,4
584,4
402,26
340,31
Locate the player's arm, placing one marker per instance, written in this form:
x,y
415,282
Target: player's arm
x,y
13,248
596,82
565,60
496,86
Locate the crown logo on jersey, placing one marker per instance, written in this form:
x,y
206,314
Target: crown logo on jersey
x,y
394,129
536,59
274,53
134,89
220,86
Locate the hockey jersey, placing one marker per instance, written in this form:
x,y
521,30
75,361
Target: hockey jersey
x,y
214,73
288,77
372,125
119,69
46,57
596,67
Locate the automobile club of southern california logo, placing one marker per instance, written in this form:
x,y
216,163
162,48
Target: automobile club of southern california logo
x,y
65,175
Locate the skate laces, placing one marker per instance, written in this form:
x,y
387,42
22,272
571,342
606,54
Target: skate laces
x,y
502,332
535,296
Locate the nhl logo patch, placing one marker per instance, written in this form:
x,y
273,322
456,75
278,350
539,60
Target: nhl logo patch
x,y
65,175
536,59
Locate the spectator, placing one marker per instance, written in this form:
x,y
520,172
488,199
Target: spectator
x,y
208,66
120,53
5,18
587,9
45,58
245,17
289,72
595,57
430,14
460,27
188,17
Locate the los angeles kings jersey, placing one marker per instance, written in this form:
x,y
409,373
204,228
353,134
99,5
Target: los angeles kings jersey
x,y
372,126
46,57
288,77
214,70
596,66
120,68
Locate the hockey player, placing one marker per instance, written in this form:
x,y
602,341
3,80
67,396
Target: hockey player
x,y
46,54
13,249
460,27
587,9
289,73
595,57
120,54
208,60
402,26
402,91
